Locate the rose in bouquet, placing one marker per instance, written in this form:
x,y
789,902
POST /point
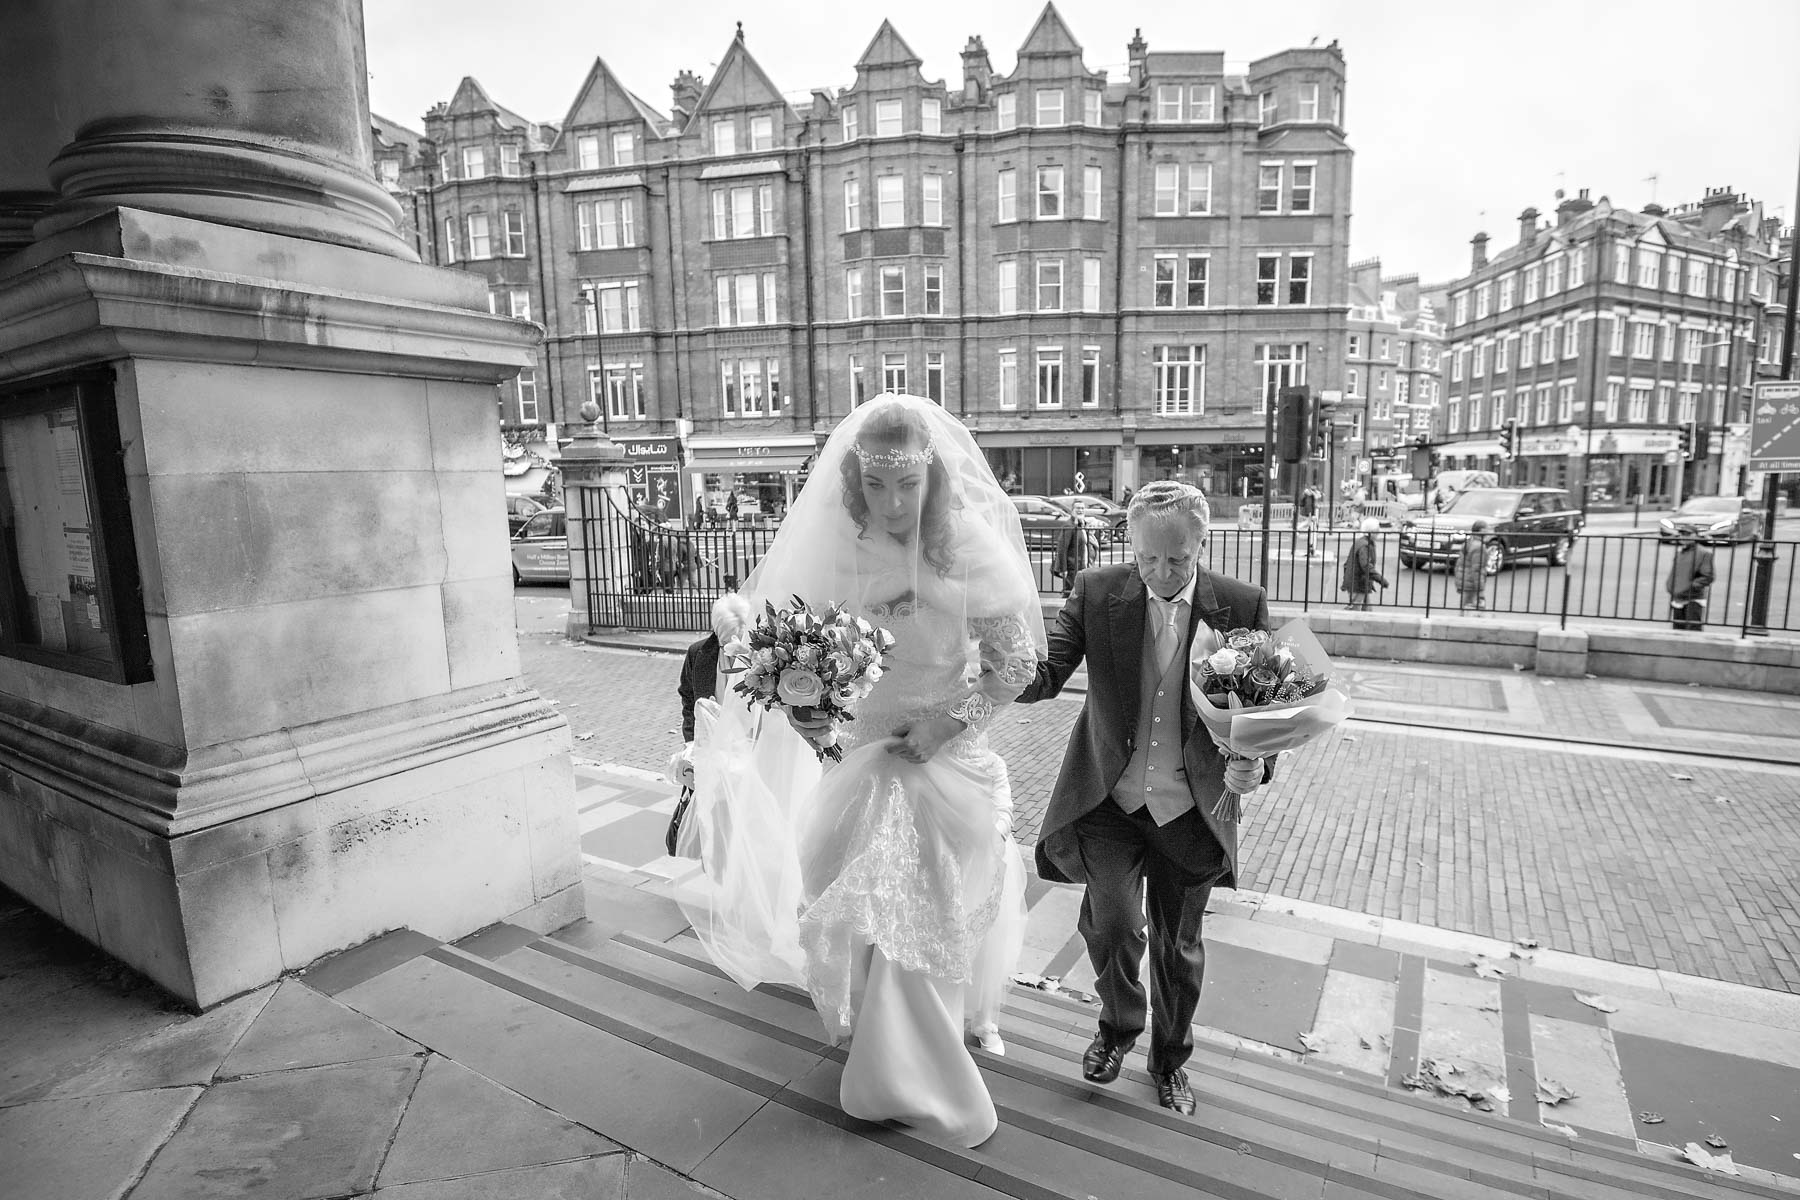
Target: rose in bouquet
x,y
808,663
1259,693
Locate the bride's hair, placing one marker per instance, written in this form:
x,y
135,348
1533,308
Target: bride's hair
x,y
893,430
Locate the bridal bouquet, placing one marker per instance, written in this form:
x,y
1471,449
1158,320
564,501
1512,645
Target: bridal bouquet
x,y
1260,693
805,662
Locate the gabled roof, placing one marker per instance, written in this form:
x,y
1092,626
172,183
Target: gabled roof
x,y
603,99
393,133
888,49
472,99
742,81
1050,37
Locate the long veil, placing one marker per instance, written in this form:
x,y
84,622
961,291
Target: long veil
x,y
963,569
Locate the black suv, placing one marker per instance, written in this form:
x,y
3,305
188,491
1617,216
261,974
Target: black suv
x,y
1522,522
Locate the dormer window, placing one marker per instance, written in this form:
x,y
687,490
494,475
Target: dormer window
x,y
931,116
1309,102
847,122
724,137
888,121
1006,111
762,133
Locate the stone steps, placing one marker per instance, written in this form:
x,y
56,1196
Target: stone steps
x,y
766,1122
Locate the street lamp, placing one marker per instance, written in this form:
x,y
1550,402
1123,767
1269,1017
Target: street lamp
x,y
598,393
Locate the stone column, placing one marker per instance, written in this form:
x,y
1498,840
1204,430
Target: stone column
x,y
594,492
333,739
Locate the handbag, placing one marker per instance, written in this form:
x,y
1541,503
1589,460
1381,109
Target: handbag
x,y
672,840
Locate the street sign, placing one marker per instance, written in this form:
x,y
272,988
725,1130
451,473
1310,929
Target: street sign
x,y
1669,457
1364,466
1775,427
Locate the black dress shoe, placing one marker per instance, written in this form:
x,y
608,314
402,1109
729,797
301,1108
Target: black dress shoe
x,y
1172,1091
1101,1062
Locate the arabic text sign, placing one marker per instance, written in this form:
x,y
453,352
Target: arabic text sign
x,y
1775,427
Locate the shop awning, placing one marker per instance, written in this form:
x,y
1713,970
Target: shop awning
x,y
749,454
1483,449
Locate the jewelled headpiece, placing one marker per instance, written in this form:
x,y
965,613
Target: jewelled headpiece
x,y
897,458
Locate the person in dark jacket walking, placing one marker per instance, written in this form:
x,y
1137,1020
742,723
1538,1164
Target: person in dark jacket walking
x,y
1362,571
1690,576
1471,569
1076,549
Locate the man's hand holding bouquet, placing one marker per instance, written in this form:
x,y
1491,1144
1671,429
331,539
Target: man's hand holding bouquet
x,y
813,666
1260,693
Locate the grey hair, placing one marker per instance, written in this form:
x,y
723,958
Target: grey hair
x,y
1168,499
730,615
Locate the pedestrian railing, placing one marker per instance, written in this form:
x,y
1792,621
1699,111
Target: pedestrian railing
x,y
649,576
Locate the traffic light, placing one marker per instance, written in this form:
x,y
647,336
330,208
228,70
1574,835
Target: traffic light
x,y
1290,424
1321,428
1702,442
1509,437
1685,436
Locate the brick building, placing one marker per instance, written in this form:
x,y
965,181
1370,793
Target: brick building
x,y
1603,334
1105,279
1392,365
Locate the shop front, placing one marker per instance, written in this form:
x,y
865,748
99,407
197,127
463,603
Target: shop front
x,y
1226,464
653,475
1083,462
1627,464
750,478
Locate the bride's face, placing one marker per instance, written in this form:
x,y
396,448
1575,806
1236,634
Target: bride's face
x,y
895,496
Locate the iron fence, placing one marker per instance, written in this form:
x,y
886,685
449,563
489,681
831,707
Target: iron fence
x,y
648,576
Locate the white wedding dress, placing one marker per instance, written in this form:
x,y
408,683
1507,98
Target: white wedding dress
x,y
913,886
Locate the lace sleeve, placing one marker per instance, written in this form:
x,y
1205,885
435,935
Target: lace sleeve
x,y
1008,664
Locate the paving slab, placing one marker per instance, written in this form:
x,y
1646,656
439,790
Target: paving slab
x,y
89,1147
461,1123
190,1052
1264,997
361,963
645,1180
1580,1056
664,1109
1461,1025
1753,1106
1353,1025
287,1135
300,1028
588,1179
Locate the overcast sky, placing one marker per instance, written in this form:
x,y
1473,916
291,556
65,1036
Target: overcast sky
x,y
1461,113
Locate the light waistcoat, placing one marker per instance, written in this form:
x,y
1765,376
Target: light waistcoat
x,y
1155,776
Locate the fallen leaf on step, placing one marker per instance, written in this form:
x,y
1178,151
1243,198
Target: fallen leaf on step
x,y
1716,1142
1585,676
1678,775
1550,1092
1553,1127
1707,1161
582,737
1518,666
1307,1045
1600,1003
1487,970
1650,1118
1528,943
1723,800
1364,1043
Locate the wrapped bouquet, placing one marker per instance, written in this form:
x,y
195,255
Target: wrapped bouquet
x,y
808,663
1260,693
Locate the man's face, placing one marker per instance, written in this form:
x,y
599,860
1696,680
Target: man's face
x,y
1167,551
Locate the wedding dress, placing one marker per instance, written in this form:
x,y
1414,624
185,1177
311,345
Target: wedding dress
x,y
890,889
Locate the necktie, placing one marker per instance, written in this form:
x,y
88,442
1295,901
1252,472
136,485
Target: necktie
x,y
1168,636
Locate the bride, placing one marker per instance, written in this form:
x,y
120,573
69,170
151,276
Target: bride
x,y
888,884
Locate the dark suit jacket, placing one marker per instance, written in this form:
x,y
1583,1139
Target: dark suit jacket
x,y
699,680
1103,621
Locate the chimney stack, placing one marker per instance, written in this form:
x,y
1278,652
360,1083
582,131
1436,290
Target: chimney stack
x,y
978,72
1139,51
1717,209
1480,260
1527,226
1568,210
686,90
1653,209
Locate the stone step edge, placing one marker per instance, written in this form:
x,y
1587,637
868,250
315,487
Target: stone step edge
x,y
987,1169
1680,1175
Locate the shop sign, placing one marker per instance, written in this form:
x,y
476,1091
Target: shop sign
x,y
649,449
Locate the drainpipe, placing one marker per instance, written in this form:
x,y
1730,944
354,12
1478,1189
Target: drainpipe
x,y
675,289
1118,388
806,266
431,204
962,281
543,267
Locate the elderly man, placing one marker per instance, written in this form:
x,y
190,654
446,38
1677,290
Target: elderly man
x,y
1135,805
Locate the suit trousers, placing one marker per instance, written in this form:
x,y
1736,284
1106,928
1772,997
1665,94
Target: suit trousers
x,y
1123,854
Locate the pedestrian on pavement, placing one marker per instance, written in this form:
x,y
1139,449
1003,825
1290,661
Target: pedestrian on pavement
x,y
888,884
1309,516
1077,548
1362,569
1471,569
700,677
1124,815
1690,577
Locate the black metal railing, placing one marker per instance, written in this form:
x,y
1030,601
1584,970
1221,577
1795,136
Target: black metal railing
x,y
648,576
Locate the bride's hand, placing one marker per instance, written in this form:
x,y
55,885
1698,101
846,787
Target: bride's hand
x,y
918,741
815,727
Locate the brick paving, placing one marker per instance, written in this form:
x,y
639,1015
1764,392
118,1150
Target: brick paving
x,y
1594,850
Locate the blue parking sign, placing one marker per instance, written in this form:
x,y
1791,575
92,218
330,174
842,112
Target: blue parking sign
x,y
1775,427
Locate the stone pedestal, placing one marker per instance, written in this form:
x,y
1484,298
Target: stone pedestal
x,y
335,740
595,493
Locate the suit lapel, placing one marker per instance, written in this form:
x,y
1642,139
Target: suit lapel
x,y
1127,629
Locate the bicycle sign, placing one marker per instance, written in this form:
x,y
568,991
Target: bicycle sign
x,y
1775,427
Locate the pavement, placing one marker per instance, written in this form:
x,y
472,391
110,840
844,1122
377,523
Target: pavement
x,y
1560,907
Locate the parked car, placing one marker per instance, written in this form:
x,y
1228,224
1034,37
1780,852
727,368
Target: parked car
x,y
1109,513
1044,521
1522,523
540,550
520,509
1714,519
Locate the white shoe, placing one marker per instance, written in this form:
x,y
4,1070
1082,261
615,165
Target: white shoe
x,y
989,1040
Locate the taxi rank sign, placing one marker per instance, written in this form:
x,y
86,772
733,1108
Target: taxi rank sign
x,y
1775,427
